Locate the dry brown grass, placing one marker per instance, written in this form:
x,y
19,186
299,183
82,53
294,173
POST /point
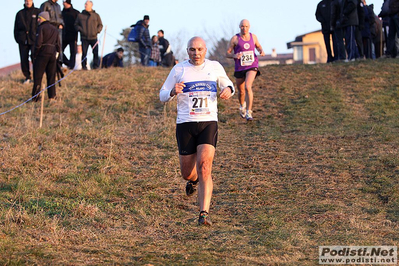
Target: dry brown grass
x,y
99,183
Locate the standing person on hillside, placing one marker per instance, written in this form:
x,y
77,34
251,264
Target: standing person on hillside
x,y
242,49
323,15
165,49
78,59
144,40
392,49
378,40
359,28
54,11
194,83
89,24
368,31
350,23
155,58
47,48
25,27
69,34
384,15
338,30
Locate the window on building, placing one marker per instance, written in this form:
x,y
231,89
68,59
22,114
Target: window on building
x,y
298,53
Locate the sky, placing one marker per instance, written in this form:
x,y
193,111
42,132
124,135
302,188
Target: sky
x,y
275,23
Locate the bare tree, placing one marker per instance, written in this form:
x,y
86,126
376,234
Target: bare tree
x,y
218,42
178,42
218,52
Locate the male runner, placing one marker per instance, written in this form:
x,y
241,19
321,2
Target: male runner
x,y
194,83
242,49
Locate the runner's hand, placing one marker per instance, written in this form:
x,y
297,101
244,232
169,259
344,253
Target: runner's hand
x,y
177,89
225,93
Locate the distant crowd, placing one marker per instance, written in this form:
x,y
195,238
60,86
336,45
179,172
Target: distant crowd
x,y
155,50
44,33
356,31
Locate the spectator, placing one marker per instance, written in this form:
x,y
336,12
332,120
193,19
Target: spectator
x,y
89,24
393,28
378,40
69,34
114,59
144,40
338,30
350,23
323,15
47,46
167,58
368,31
384,14
155,58
25,27
78,60
359,29
54,11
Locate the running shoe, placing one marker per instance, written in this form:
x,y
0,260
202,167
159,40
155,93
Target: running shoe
x,y
248,116
204,219
191,187
242,110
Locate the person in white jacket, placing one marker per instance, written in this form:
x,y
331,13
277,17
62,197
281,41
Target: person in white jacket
x,y
194,83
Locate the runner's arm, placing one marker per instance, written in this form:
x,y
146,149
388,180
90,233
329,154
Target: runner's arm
x,y
230,51
225,84
171,87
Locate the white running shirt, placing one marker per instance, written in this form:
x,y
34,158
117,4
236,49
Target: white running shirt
x,y
198,102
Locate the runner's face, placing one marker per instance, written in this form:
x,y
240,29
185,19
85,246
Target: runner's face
x,y
244,27
197,51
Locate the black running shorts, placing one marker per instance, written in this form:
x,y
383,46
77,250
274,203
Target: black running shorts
x,y
243,74
191,134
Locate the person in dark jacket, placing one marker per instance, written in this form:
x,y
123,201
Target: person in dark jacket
x,y
25,27
69,34
393,28
167,58
54,11
338,30
368,31
358,29
323,15
47,46
144,40
384,15
89,24
114,59
350,21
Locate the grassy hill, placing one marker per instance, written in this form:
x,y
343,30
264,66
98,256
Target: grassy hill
x,y
99,183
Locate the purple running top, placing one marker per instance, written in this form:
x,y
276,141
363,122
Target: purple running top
x,y
248,59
